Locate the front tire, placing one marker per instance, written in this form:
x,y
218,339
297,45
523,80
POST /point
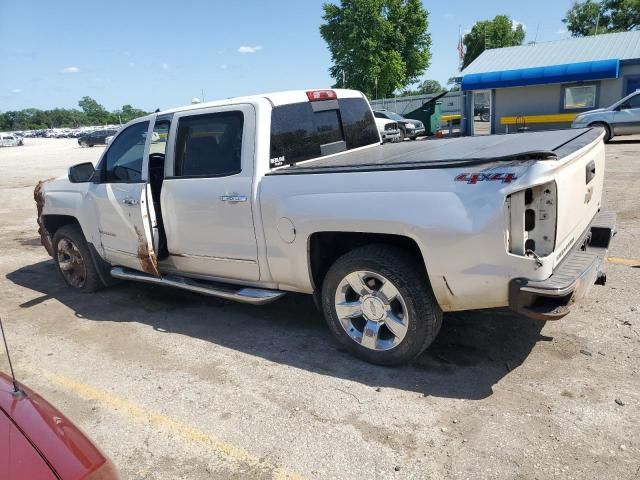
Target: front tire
x,y
73,259
380,306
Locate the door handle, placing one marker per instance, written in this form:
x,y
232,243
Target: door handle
x,y
130,201
233,198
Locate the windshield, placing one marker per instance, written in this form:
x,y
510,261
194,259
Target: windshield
x,y
395,116
633,99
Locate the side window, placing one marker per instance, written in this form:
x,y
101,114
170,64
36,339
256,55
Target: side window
x,y
123,160
159,137
633,102
209,145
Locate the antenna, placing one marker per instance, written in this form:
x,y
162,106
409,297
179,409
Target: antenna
x,y
16,390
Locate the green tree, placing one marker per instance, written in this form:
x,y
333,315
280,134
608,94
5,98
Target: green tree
x,y
92,114
377,46
128,113
604,16
486,34
96,114
454,84
427,87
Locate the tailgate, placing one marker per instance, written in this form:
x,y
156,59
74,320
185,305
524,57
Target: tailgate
x,y
579,180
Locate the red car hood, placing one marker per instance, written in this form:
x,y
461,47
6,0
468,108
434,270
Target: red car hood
x,y
39,442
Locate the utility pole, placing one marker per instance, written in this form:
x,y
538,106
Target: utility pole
x,y
597,22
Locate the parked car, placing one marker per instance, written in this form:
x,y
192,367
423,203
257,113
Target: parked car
x,y
411,129
95,138
389,131
621,118
37,442
483,111
10,140
254,197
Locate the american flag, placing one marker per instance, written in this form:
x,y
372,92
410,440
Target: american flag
x,y
460,47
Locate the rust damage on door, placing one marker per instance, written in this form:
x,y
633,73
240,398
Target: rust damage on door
x,y
146,255
38,196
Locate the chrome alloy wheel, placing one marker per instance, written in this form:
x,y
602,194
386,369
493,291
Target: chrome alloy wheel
x,y
371,310
71,263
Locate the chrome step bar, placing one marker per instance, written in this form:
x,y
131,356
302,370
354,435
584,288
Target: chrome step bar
x,y
255,296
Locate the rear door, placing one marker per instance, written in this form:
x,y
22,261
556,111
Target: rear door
x,y
206,196
626,120
120,198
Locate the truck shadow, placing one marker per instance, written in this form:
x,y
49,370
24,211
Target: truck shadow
x,y
473,352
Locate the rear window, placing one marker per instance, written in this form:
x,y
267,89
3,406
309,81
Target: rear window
x,y
299,133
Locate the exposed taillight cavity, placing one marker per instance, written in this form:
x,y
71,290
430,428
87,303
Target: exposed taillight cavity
x,y
317,95
531,216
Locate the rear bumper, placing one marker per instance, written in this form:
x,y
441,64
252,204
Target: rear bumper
x,y
551,299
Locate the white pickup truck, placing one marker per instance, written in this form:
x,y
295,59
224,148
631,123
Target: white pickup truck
x,y
250,198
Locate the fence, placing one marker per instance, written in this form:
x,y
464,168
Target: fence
x,y
452,103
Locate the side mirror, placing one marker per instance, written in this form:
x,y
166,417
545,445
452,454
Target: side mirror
x,y
81,173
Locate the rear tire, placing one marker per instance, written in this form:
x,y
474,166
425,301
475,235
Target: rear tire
x,y
379,305
73,259
607,131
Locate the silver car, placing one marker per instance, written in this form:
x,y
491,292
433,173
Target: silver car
x,y
621,118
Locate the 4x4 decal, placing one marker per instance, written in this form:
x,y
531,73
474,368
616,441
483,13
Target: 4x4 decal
x,y
473,178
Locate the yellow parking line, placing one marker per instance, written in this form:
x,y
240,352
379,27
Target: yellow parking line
x,y
630,262
230,452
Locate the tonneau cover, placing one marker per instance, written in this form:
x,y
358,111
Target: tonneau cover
x,y
451,152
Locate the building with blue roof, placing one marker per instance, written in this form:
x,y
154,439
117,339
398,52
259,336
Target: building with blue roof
x,y
545,85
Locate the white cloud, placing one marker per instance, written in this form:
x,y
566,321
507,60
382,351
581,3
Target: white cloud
x,y
247,49
165,66
16,90
224,66
132,64
70,70
515,24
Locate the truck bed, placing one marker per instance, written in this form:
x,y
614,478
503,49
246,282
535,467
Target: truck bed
x,y
452,152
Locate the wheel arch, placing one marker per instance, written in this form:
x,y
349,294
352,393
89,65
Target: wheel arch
x,y
605,124
53,222
326,247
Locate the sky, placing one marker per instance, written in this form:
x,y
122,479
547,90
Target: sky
x,y
161,54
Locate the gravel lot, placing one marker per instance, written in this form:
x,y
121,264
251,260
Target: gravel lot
x,y
176,385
